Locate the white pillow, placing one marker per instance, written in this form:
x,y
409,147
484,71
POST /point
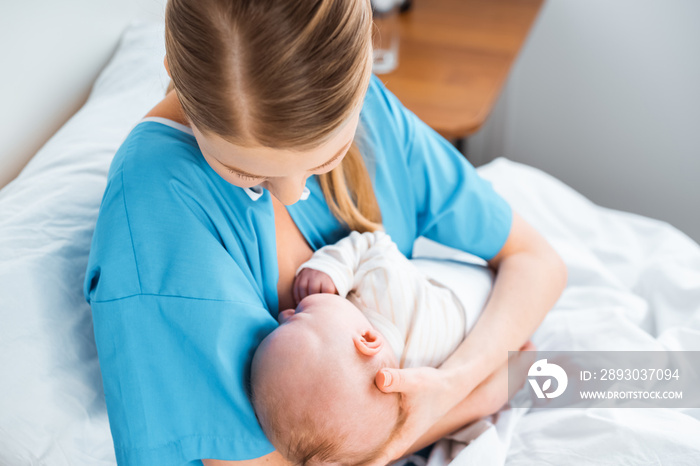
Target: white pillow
x,y
52,408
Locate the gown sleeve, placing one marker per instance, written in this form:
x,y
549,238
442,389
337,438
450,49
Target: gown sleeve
x,y
449,201
342,260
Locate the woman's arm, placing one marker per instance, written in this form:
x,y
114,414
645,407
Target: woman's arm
x,y
486,399
530,278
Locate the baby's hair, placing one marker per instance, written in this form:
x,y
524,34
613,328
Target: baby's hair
x,y
309,442
283,74
313,437
317,447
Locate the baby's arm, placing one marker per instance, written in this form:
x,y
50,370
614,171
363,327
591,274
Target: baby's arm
x,y
310,281
332,268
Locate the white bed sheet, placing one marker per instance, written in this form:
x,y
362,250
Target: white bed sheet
x,y
634,284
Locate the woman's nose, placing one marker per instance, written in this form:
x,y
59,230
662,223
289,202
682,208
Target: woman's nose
x,y
287,190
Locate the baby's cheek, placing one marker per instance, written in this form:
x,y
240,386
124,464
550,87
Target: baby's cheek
x,y
389,356
380,420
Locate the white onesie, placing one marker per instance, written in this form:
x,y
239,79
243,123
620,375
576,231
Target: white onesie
x,y
405,300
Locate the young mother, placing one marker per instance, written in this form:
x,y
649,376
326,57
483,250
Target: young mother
x,y
275,141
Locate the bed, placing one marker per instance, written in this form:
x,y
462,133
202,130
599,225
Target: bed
x,y
634,284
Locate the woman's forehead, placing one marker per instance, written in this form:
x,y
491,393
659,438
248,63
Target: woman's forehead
x,y
276,162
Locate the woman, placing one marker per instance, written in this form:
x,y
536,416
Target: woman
x,y
275,141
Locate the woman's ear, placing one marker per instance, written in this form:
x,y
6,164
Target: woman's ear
x,y
167,68
369,343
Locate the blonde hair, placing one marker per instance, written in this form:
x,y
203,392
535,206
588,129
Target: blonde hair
x,y
284,74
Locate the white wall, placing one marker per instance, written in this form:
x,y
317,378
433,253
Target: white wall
x,y
51,52
606,97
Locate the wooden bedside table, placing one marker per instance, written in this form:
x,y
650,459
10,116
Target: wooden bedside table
x,y
454,58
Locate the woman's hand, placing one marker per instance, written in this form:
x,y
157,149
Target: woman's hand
x,y
427,395
310,281
426,398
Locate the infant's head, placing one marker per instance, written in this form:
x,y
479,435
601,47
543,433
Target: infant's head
x,y
313,385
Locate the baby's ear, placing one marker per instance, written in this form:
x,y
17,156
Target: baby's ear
x,y
369,343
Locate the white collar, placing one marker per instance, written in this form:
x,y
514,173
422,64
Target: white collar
x,y
171,123
255,192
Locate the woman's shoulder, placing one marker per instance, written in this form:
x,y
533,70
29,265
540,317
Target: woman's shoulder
x,y
162,206
377,91
154,148
387,128
159,171
161,161
383,111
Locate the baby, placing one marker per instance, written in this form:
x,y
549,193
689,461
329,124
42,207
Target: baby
x,y
313,378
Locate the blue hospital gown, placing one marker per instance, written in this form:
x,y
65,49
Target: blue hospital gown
x,y
182,275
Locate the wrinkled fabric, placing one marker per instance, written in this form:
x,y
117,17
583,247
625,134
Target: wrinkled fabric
x,y
634,285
